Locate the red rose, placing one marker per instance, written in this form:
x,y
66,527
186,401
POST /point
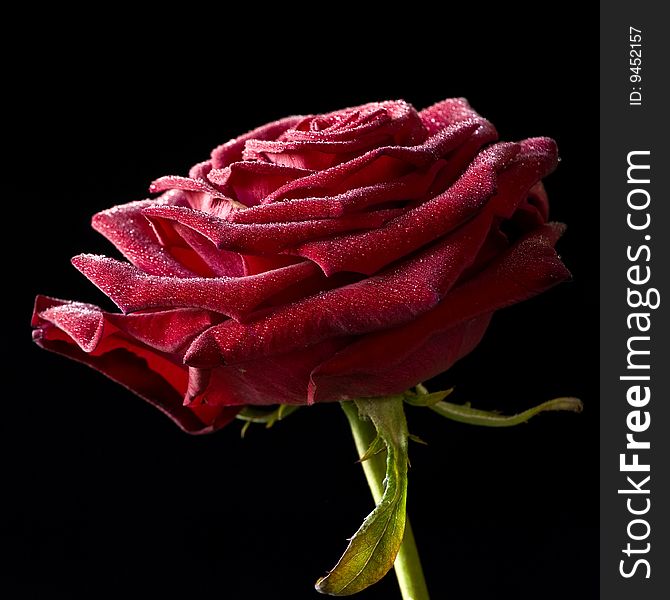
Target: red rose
x,y
315,259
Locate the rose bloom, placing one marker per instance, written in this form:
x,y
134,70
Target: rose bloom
x,y
315,259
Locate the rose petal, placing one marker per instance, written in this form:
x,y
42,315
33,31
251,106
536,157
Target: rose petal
x,y
200,170
436,355
348,133
146,372
537,196
167,331
289,211
280,379
154,249
221,263
250,182
386,300
133,290
199,194
196,254
417,227
386,359
445,113
511,168
413,186
128,229
378,165
354,123
174,182
538,157
231,151
264,238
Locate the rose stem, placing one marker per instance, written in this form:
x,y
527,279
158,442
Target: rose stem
x,y
407,564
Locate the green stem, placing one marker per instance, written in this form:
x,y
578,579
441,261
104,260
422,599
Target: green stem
x,y
407,564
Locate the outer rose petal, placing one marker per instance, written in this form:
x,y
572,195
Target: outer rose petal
x,y
417,227
283,378
289,211
393,297
187,184
130,231
436,355
263,238
159,251
85,333
445,113
200,170
219,263
413,186
390,361
132,290
510,170
538,198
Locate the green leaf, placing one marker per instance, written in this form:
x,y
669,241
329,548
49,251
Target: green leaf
x,y
417,439
285,410
250,414
424,398
376,446
373,548
473,416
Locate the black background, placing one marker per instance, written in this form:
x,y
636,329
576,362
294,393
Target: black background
x,y
106,498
